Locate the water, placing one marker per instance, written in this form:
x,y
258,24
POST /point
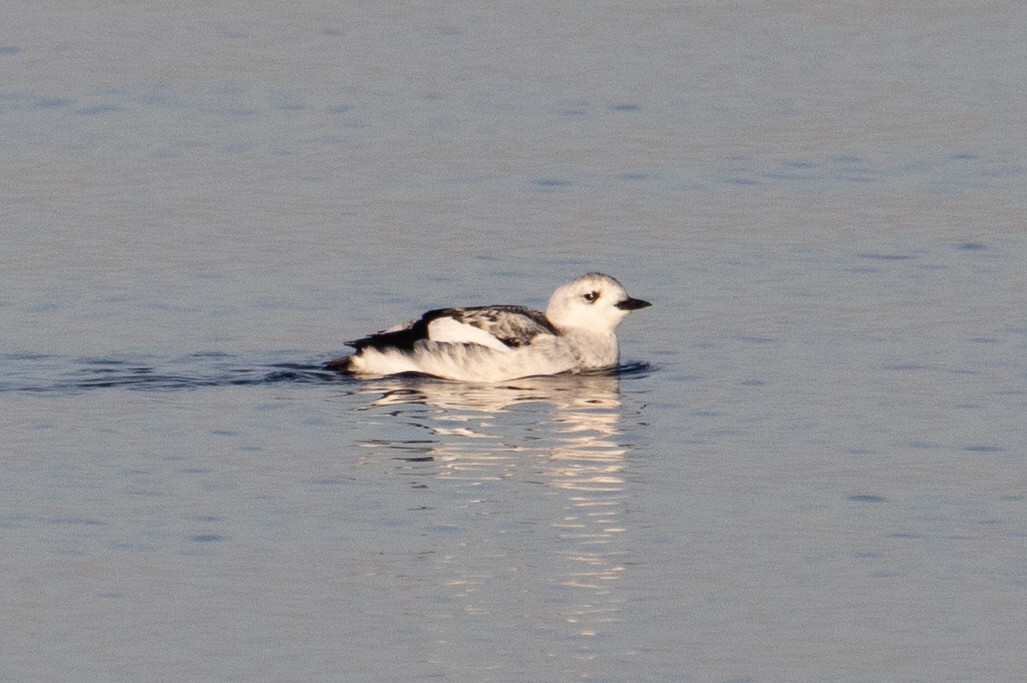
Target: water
x,y
810,467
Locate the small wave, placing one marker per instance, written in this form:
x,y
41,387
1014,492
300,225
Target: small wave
x,y
40,373
634,369
37,373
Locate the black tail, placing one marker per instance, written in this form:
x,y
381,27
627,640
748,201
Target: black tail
x,y
340,364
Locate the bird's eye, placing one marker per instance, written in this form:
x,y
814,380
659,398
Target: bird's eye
x,y
591,297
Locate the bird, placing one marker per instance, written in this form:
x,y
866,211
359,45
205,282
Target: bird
x,y
488,344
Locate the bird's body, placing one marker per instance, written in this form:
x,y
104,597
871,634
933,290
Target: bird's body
x,y
498,343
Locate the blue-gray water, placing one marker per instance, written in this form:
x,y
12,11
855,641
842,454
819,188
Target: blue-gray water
x,y
812,466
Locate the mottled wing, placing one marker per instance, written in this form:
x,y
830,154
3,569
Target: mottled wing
x,y
498,327
513,326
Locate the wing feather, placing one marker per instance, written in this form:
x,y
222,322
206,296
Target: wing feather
x,y
495,327
512,326
451,329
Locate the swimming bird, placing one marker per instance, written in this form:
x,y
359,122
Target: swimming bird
x,y
503,342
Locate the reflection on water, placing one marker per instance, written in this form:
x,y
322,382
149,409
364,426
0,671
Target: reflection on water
x,y
560,432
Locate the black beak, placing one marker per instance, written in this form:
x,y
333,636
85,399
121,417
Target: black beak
x,y
632,304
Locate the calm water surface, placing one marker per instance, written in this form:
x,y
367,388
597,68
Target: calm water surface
x,y
810,467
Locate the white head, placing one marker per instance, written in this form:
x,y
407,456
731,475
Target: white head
x,y
593,302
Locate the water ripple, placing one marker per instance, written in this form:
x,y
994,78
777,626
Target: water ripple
x,y
37,373
41,373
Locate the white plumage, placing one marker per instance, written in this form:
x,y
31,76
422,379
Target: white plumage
x,y
498,343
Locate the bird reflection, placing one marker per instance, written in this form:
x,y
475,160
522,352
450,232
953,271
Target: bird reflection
x,y
561,432
583,391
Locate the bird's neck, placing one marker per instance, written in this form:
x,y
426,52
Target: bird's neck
x,y
592,349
